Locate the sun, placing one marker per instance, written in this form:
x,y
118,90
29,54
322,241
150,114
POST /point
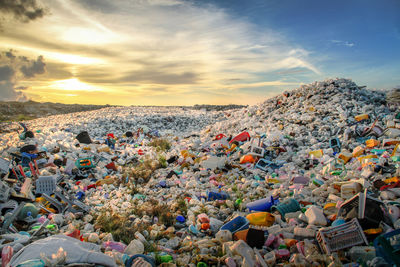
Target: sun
x,y
73,84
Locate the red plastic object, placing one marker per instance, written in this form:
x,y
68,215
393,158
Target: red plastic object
x,y
220,136
140,152
397,184
6,255
91,186
205,226
241,137
111,166
111,135
76,234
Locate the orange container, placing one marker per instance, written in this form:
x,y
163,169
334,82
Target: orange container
x,y
241,235
247,159
358,151
261,218
205,226
361,117
290,242
372,143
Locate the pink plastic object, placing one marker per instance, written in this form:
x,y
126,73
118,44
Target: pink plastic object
x,y
117,246
270,240
6,255
203,218
282,253
230,262
300,247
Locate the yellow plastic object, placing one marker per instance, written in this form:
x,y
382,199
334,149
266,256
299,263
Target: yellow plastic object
x,y
330,209
329,205
261,218
396,148
372,143
186,153
273,181
316,153
367,157
345,156
361,117
232,148
358,151
373,231
392,180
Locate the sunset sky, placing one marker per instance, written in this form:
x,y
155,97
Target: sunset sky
x,y
186,52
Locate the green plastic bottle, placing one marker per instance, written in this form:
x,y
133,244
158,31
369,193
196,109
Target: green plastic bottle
x,y
166,258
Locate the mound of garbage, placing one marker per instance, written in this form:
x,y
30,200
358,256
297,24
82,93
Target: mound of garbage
x,y
307,178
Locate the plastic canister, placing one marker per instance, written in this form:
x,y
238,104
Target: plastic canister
x,y
261,218
263,204
350,189
289,205
366,253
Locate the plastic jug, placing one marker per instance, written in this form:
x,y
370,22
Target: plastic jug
x,y
261,218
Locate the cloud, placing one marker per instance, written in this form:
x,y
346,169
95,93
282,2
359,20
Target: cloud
x,y
114,44
154,77
22,10
344,43
33,68
6,73
14,69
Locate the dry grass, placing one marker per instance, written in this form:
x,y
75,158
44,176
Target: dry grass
x,y
160,144
143,170
118,225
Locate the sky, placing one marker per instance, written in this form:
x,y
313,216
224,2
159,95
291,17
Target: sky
x,y
186,52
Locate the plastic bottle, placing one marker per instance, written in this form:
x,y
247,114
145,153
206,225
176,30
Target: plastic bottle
x,y
6,255
364,253
32,263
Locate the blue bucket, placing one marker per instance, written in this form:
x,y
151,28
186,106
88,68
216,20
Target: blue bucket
x,y
263,204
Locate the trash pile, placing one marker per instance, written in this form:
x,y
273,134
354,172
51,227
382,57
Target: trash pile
x,y
307,178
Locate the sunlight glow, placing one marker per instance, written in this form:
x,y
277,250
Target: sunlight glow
x,y
73,85
87,36
73,59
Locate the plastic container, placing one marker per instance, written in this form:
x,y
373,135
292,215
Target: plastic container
x,y
263,204
112,245
32,263
217,195
340,237
287,206
84,163
203,218
6,255
237,224
45,184
84,138
350,189
261,218
145,257
241,137
365,253
387,246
